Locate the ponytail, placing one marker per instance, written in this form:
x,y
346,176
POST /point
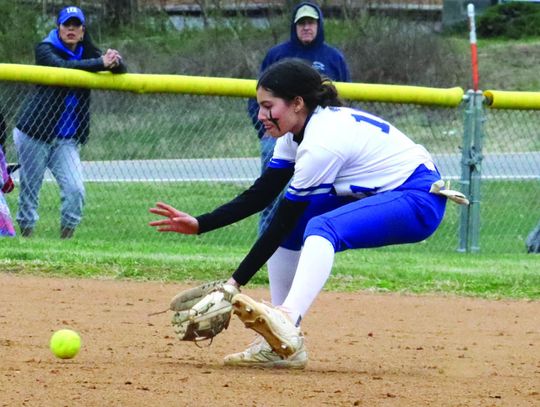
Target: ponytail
x,y
328,94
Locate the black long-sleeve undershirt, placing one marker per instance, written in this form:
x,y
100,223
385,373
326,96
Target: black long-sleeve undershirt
x,y
263,191
257,197
282,224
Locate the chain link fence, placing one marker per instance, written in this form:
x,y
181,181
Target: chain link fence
x,y
510,177
196,152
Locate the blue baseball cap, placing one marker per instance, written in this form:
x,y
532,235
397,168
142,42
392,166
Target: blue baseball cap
x,y
70,12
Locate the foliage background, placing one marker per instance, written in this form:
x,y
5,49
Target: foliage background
x,y
378,48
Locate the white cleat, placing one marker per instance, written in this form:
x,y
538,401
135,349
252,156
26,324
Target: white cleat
x,y
260,354
274,325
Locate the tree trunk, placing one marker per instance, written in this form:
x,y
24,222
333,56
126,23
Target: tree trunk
x,y
119,13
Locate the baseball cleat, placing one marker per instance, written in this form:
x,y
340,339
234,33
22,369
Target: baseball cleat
x,y
272,323
260,354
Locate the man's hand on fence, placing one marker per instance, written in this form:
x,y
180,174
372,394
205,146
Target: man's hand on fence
x,y
111,58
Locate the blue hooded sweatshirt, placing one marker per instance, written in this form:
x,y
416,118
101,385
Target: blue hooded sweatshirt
x,y
329,61
50,112
68,122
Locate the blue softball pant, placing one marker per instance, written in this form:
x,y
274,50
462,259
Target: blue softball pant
x,y
407,214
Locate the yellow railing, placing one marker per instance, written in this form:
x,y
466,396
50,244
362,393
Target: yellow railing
x,y
199,85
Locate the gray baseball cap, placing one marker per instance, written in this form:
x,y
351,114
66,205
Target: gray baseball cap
x,y
306,11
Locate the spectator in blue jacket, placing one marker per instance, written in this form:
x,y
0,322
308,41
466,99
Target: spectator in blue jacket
x,y
54,122
307,43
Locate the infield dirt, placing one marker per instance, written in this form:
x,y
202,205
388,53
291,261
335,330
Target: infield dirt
x,y
366,349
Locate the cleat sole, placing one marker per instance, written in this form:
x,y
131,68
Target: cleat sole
x,y
256,320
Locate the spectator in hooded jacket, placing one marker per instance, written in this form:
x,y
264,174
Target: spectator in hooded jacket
x,y
54,122
307,43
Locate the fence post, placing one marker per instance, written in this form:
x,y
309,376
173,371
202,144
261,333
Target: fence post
x,y
468,130
476,170
471,172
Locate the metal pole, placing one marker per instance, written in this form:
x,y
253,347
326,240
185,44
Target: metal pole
x,y
474,48
476,175
468,130
471,158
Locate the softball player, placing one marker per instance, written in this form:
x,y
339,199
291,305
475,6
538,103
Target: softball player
x,y
356,182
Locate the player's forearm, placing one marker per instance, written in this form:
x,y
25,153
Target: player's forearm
x,y
265,189
227,214
281,225
46,56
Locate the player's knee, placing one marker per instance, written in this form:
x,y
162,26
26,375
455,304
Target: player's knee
x,y
322,226
292,243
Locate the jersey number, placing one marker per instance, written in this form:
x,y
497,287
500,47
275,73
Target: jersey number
x,y
385,127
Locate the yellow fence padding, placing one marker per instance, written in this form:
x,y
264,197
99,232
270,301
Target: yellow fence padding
x,y
500,99
199,85
450,97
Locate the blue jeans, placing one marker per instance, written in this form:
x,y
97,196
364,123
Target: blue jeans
x,y
267,144
63,160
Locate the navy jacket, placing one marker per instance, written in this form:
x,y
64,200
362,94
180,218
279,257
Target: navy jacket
x,y
43,108
329,61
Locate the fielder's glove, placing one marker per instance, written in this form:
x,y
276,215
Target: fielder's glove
x,y
202,312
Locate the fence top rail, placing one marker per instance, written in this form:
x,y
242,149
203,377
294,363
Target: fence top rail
x,y
500,99
200,85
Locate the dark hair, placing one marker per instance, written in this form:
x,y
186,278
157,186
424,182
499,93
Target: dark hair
x,y
88,43
293,77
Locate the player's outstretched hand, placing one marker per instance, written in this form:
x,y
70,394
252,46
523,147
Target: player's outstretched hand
x,y
177,221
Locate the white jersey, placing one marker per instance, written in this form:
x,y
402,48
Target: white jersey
x,y
347,152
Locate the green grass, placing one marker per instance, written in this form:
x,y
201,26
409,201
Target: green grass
x,y
481,275
169,127
505,64
115,242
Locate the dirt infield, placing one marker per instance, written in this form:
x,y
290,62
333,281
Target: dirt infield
x,y
365,350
